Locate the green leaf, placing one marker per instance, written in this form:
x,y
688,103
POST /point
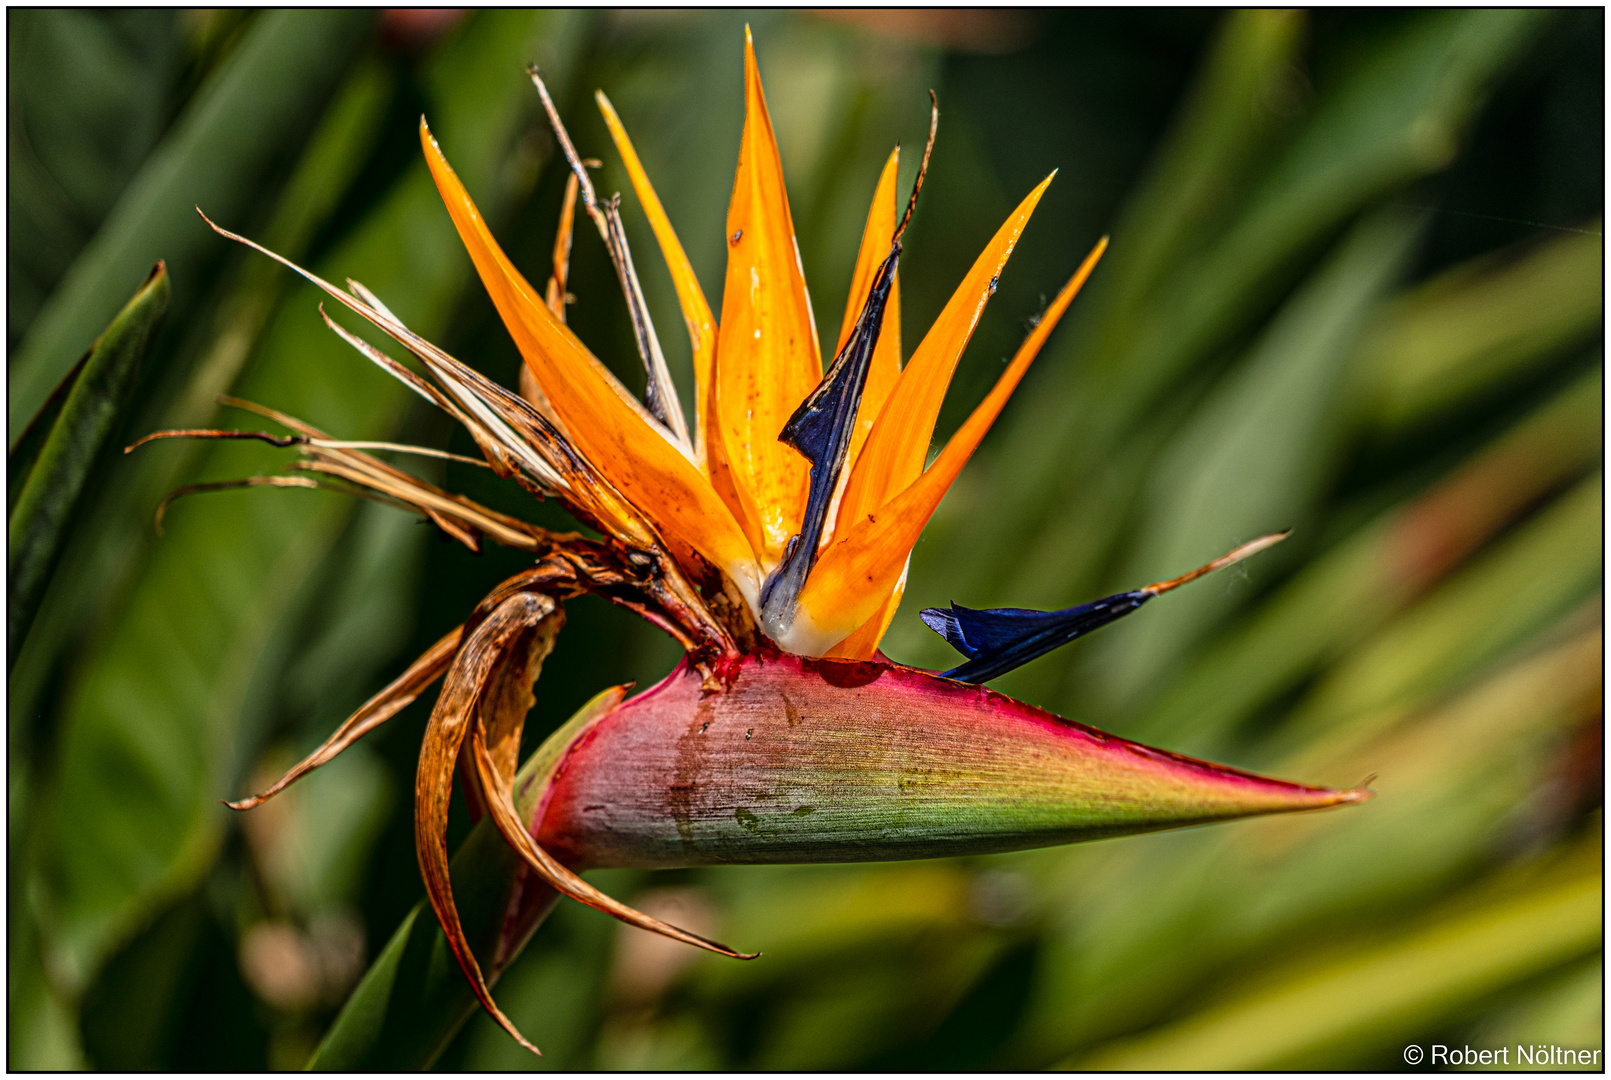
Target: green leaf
x,y
414,998
556,987
128,1017
1564,1010
89,98
1348,591
105,561
1532,576
1224,129
1479,326
25,451
215,156
187,388
1376,997
1256,454
1455,780
91,415
1396,113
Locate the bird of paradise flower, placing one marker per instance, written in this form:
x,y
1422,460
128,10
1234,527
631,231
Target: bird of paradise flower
x,y
771,539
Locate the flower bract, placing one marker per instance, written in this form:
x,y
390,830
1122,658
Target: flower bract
x,y
770,536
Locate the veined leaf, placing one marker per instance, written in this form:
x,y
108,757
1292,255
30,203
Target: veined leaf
x,y
91,414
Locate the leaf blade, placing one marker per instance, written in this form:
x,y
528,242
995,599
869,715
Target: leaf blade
x,y
91,414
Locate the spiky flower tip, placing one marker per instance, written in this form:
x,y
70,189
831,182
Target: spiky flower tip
x,y
770,537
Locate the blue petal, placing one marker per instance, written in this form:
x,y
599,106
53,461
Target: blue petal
x,y
993,629
820,430
945,624
996,640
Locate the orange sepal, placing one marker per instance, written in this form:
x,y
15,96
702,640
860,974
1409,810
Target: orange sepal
x,y
695,310
863,642
610,428
899,443
861,568
885,368
767,355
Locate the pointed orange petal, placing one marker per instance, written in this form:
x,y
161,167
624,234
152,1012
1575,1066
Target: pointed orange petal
x,y
894,454
886,363
607,425
562,249
767,356
695,311
859,570
875,240
555,296
862,644
708,451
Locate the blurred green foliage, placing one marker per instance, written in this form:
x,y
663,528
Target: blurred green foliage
x,y
64,445
1354,288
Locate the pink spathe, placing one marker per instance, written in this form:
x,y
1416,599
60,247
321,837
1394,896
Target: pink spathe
x,y
802,760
